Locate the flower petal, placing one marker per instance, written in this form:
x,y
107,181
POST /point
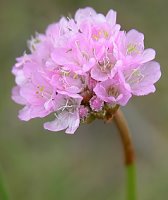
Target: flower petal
x,y
111,17
150,74
148,55
60,123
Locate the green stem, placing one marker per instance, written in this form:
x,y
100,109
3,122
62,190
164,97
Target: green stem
x,y
3,191
131,182
129,154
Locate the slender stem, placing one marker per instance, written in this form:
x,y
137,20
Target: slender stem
x,y
128,153
131,182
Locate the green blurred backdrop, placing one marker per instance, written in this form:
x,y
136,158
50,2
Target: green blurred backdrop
x,y
40,165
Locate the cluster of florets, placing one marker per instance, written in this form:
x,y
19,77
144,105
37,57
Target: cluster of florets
x,y
82,68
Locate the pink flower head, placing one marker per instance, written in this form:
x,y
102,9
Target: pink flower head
x,y
80,67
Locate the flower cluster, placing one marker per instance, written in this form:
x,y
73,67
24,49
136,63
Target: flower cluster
x,y
82,68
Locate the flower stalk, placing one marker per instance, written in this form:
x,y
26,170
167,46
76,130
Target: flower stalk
x,y
129,154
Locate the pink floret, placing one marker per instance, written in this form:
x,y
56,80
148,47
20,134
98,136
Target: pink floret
x,y
96,104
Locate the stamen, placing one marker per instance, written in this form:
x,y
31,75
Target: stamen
x,y
75,76
42,93
66,106
106,65
135,77
132,48
106,34
112,91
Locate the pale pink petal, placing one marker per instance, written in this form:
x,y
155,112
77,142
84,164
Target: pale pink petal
x,y
150,73
99,18
98,75
60,57
148,55
89,65
29,93
24,114
30,112
100,91
16,96
39,111
64,120
49,105
133,36
73,122
83,14
124,98
20,77
60,123
111,17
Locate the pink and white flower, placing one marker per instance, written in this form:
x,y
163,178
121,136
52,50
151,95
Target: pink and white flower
x,y
80,68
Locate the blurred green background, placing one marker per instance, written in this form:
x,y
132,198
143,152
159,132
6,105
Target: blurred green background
x,y
41,165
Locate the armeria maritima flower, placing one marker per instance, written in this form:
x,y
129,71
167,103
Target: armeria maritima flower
x,y
82,68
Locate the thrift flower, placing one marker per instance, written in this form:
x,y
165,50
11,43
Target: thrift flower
x,y
81,69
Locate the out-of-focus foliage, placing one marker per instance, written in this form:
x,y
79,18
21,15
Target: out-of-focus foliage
x,y
40,165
